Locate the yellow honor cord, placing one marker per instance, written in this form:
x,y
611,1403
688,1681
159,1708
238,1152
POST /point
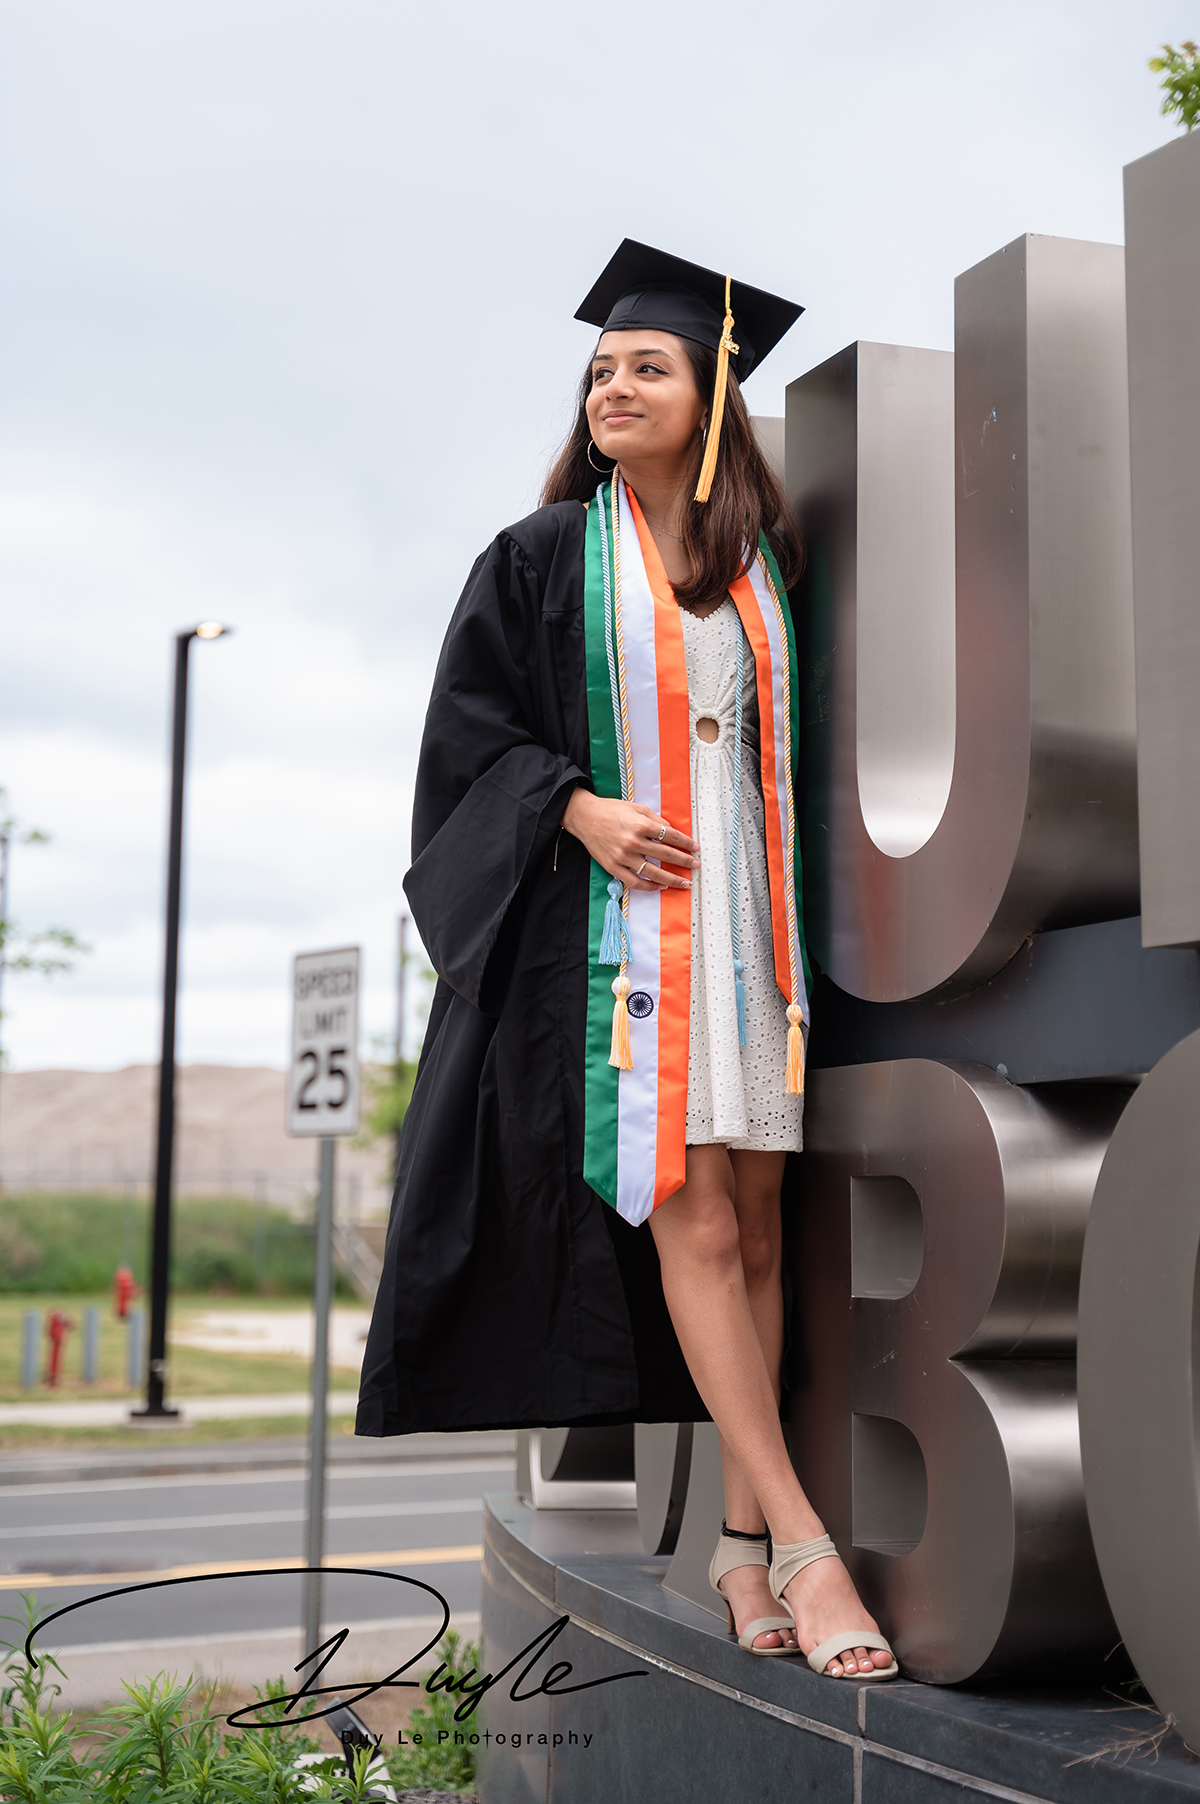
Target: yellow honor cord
x,y
795,1052
620,1053
726,348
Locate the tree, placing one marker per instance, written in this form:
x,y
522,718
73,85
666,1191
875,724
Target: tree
x,y
1180,70
389,1090
389,1085
55,948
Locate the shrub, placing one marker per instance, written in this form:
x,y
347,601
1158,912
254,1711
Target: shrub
x,y
165,1745
72,1244
442,1764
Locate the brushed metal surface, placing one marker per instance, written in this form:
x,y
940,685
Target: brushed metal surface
x,y
1080,1004
552,1444
1162,278
891,1485
687,1575
582,1468
1139,1361
768,430
1039,826
972,1545
887,1237
905,617
662,1458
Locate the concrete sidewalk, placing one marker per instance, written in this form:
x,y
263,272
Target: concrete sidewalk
x,y
269,1331
194,1409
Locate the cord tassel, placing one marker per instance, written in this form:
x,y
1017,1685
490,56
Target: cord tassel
x,y
621,1054
614,942
740,992
709,466
795,1052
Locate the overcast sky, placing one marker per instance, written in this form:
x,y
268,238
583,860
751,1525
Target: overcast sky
x,y
286,324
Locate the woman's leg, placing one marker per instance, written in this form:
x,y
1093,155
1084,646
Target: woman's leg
x,y
697,1235
758,1179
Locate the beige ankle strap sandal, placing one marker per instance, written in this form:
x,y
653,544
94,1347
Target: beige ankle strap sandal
x,y
736,1550
835,1647
742,1550
791,1557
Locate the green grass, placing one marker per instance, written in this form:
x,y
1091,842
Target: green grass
x,y
73,1243
193,1371
26,1437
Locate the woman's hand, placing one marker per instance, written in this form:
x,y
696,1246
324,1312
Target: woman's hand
x,y
624,837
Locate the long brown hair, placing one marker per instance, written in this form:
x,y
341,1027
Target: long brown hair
x,y
746,496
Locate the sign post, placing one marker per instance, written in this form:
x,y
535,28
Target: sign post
x,y
323,1101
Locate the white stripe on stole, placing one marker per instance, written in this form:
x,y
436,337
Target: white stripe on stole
x,y
637,1092
781,702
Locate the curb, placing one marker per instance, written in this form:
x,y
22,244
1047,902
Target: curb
x,y
65,1465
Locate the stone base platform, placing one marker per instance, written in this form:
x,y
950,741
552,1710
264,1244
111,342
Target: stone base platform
x,y
708,1724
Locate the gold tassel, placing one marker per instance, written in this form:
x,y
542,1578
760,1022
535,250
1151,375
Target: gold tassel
x,y
621,1054
709,466
795,1052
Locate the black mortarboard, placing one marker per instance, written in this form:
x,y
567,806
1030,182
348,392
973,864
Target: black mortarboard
x,y
645,287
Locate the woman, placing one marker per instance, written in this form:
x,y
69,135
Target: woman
x,y
606,786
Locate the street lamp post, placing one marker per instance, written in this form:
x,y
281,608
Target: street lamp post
x,y
160,1256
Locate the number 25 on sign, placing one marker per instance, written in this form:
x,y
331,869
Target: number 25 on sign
x,y
323,1085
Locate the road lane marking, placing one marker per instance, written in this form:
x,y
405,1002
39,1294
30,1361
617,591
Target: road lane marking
x,y
242,1475
337,1512
403,1556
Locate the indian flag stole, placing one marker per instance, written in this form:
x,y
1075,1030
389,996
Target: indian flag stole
x,y
636,1119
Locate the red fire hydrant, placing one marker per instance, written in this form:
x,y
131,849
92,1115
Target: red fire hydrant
x,y
124,1291
58,1326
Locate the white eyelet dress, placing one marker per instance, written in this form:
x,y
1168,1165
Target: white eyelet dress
x,y
737,1096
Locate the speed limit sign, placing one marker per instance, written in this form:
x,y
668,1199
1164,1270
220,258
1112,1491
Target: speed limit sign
x,y
323,1085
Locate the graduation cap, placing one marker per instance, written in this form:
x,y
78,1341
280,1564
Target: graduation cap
x,y
642,286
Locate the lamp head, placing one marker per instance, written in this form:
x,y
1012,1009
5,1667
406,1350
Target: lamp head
x,y
211,629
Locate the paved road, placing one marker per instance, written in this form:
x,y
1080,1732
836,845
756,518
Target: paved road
x,y
414,1517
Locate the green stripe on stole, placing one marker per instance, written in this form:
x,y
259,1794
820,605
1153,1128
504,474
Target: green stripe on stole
x,y
794,702
600,1078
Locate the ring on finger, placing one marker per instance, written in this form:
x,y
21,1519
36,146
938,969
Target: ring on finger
x,y
662,833
641,867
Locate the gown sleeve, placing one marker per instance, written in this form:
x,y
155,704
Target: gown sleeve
x,y
490,793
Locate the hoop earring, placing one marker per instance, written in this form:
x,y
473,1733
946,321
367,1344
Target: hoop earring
x,y
599,468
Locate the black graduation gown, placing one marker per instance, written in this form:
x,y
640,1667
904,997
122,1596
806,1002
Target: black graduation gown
x,y
511,1295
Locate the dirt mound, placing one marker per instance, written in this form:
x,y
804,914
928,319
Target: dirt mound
x,y
84,1130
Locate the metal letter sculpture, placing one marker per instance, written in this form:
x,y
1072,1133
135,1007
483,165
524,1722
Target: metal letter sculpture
x,y
969,1531
1162,224
944,1210
1137,1379
1039,827
975,566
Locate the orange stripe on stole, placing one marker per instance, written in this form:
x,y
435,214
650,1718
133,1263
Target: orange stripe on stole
x,y
675,905
775,805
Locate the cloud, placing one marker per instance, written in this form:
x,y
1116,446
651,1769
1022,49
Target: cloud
x,y
287,312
